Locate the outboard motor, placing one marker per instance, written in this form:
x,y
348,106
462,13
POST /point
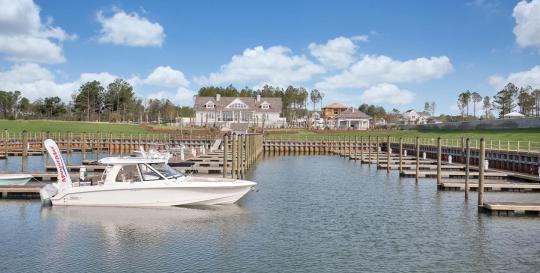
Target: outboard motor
x,y
46,192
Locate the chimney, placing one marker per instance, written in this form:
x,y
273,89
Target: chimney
x,y
258,98
218,97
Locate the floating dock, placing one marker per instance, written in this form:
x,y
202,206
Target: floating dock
x,y
511,208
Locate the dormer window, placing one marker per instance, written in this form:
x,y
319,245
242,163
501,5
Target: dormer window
x,y
237,104
265,105
210,105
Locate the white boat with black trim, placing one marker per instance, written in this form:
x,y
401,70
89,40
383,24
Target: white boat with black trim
x,y
145,180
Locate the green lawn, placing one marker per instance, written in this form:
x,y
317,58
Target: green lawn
x,y
15,126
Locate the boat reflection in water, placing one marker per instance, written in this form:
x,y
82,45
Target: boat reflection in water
x,y
156,219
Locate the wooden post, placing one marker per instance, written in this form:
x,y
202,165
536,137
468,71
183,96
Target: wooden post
x,y
83,146
42,137
355,147
467,162
361,148
69,142
225,151
377,148
417,158
400,154
47,136
242,156
388,151
481,173
369,149
439,159
463,149
233,157
6,142
350,146
99,143
24,143
110,143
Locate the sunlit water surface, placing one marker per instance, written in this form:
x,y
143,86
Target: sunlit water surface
x,y
310,214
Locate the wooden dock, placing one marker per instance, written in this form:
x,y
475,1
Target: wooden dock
x,y
28,191
490,185
511,208
453,174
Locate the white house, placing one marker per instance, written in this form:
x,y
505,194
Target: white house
x,y
352,119
413,117
223,111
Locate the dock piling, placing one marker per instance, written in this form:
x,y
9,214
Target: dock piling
x,y
400,154
467,162
25,143
225,151
369,150
439,163
377,148
417,159
388,151
482,157
233,157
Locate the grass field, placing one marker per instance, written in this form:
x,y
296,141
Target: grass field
x,y
16,126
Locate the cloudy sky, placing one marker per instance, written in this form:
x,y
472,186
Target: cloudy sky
x,y
398,54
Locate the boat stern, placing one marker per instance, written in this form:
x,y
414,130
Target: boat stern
x,y
46,193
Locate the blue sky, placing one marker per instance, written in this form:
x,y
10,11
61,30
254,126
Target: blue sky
x,y
398,54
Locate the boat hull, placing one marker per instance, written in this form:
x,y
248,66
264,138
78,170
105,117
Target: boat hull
x,y
153,196
14,179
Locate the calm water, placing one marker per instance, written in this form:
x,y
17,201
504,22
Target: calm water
x,y
311,214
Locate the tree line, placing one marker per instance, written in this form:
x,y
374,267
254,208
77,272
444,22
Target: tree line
x,y
115,102
509,99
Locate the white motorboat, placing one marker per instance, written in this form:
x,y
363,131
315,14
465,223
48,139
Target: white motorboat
x,y
14,179
141,181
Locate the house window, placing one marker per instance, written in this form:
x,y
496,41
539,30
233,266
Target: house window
x,y
265,106
246,116
227,116
210,105
238,105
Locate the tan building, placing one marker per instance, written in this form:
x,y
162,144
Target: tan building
x,y
332,110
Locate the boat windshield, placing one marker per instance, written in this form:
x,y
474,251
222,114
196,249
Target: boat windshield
x,y
166,170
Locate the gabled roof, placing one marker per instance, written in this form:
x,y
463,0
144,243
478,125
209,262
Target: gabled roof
x,y
336,105
352,113
252,104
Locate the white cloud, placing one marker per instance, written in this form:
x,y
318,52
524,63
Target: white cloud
x,y
373,69
387,93
521,79
527,29
23,37
35,81
337,53
181,96
274,65
360,38
166,76
130,29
